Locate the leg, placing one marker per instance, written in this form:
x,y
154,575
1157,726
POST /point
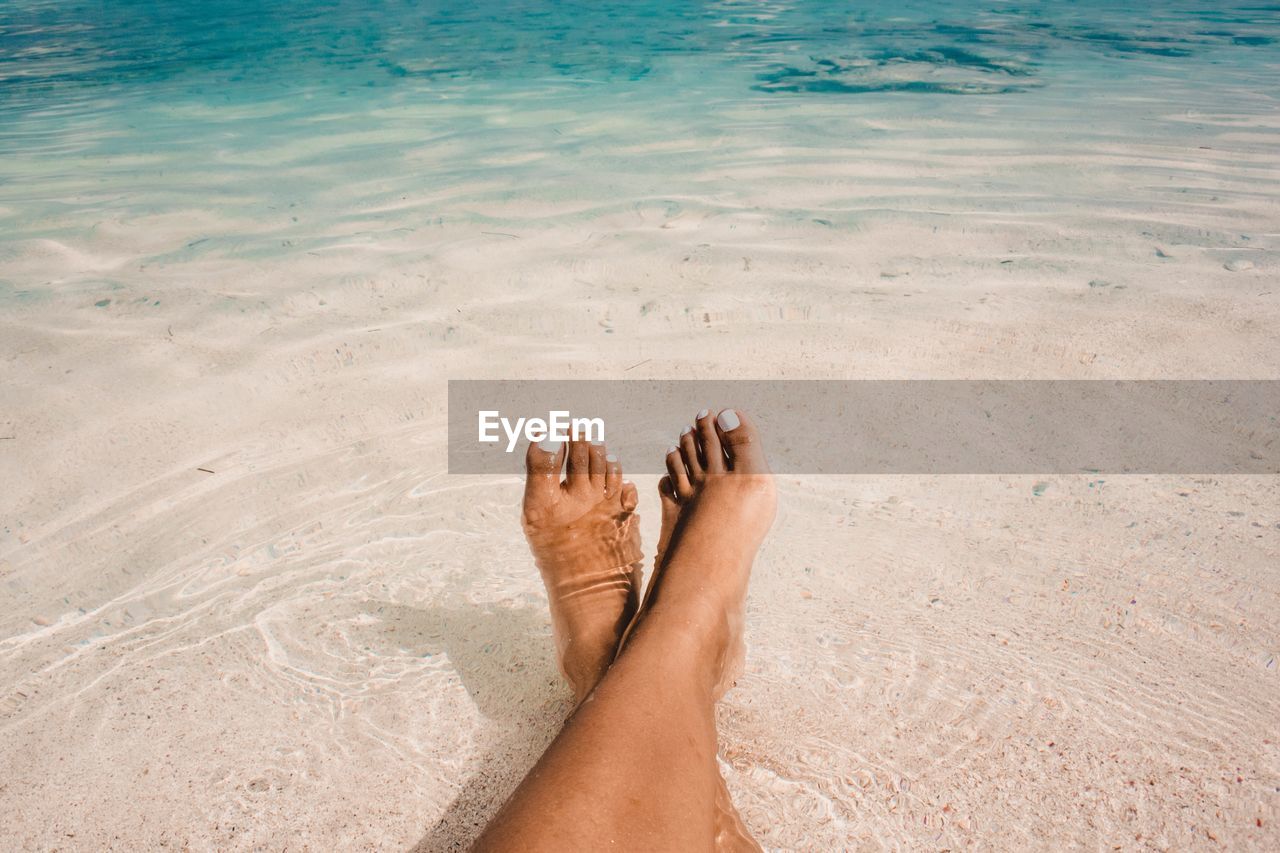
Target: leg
x,y
635,765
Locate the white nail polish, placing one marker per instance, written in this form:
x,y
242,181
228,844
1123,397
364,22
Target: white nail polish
x,y
550,445
686,430
728,420
672,449
611,458
597,444
703,414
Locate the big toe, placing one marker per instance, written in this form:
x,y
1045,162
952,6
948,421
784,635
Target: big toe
x,y
543,462
741,442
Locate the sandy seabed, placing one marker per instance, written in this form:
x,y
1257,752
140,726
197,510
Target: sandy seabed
x,y
245,606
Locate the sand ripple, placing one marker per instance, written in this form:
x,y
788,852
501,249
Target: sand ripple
x,y
246,607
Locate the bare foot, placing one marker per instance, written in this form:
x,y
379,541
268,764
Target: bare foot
x,y
742,510
719,486
585,538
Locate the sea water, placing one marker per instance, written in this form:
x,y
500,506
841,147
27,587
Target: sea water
x,y
302,115
244,245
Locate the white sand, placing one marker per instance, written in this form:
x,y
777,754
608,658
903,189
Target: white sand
x,y
328,642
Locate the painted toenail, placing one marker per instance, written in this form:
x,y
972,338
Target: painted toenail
x,y
550,445
686,430
728,420
672,449
611,458
703,414
597,444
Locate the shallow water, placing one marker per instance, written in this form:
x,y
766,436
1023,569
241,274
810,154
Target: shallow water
x,y
244,248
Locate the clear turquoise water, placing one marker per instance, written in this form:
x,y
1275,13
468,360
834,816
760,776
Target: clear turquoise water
x,y
243,245
100,55
79,70
243,109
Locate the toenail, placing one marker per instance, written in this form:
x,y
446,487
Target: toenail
x,y
703,414
611,458
550,445
597,444
686,430
728,420
672,449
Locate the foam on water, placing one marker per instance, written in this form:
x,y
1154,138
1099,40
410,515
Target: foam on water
x,y
243,247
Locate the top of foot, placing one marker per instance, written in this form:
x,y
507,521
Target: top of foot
x,y
585,538
718,503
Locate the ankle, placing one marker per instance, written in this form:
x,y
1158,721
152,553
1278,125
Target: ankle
x,y
691,636
585,658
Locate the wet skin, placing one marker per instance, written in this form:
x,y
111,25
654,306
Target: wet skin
x,y
635,765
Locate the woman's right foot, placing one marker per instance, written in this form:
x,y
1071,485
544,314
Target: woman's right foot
x,y
718,501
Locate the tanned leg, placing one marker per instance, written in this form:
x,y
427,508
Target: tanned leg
x,y
635,766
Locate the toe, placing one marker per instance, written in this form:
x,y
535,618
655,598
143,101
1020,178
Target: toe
x,y
596,465
670,512
679,477
612,475
542,465
579,475
689,450
709,443
741,442
630,497
667,494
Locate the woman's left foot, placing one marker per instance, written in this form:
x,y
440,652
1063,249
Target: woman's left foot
x,y
585,538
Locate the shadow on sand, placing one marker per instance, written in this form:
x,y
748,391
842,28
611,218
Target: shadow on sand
x,y
507,664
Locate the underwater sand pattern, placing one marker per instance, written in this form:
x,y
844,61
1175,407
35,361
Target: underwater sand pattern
x,y
244,604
